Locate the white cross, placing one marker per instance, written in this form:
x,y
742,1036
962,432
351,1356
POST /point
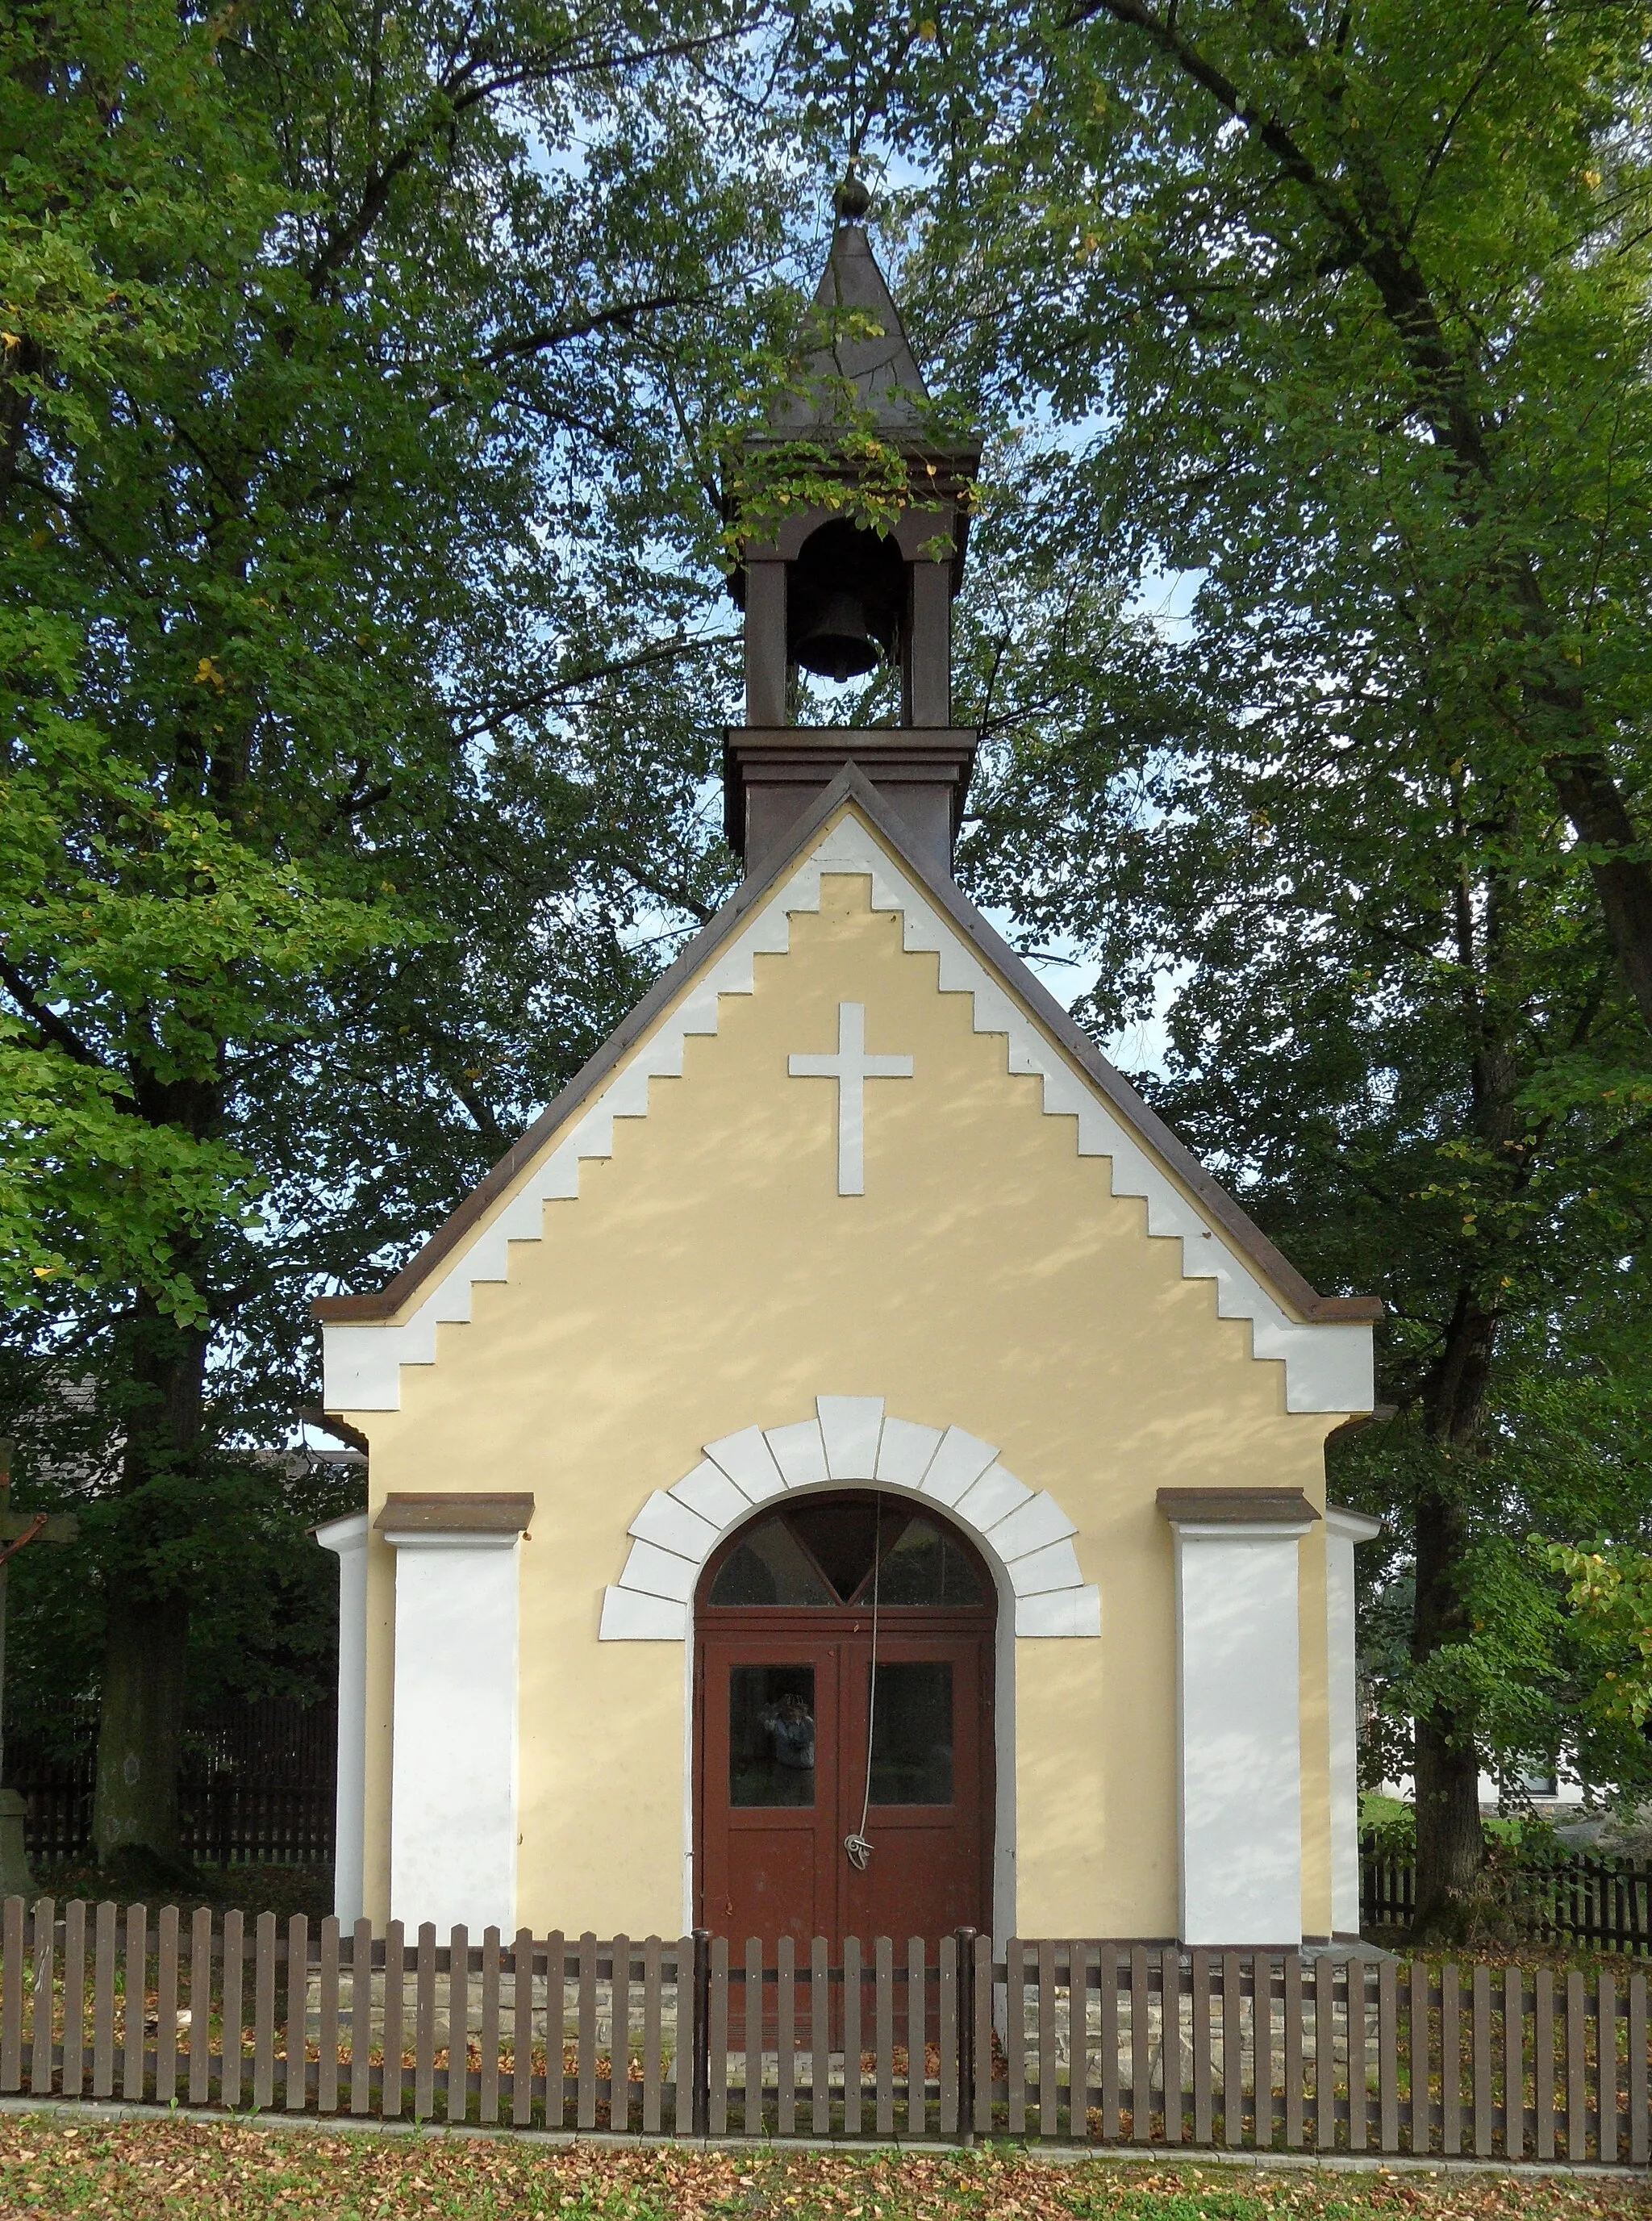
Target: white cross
x,y
851,1068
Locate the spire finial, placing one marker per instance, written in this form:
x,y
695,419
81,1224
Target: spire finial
x,y
851,200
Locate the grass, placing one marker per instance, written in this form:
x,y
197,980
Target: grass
x,y
181,2171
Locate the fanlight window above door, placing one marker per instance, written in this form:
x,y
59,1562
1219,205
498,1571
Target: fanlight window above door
x,y
821,1552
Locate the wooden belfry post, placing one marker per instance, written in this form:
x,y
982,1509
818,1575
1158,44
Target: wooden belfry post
x,y
17,1530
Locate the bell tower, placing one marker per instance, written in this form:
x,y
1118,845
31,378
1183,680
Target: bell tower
x,y
837,598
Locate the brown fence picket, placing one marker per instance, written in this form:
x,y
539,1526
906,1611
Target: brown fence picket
x,y
1514,2063
327,2017
103,2003
1480,2021
1606,2066
1049,2091
1450,2059
585,2055
424,2023
1108,2032
137,1986
556,2018
1416,2056
457,2093
851,2069
298,2003
166,2005
40,2021
522,2030
200,2005
488,2102
1015,2036
717,2026
820,2066
1387,2057
1577,2113
1233,2052
785,2037
619,2049
231,2012
74,1998
1324,2045
264,2013
652,2024
946,2036
361,2017
751,2019
883,2033
1291,1967
981,1984
1201,2041
1640,2126
917,2047
1359,2055
393,2081
1542,2059
1078,2071
11,1995
1140,2048
683,2068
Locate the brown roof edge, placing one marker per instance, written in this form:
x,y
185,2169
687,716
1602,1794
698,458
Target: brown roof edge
x,y
852,784
1235,1507
455,1513
312,1415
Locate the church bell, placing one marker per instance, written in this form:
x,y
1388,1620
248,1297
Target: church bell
x,y
839,643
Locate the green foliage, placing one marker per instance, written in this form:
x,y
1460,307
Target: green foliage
x,y
362,649
1338,325
1388,1823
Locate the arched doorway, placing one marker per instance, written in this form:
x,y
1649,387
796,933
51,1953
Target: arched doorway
x,y
784,1692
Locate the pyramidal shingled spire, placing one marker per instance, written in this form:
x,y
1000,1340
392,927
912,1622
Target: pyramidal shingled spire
x,y
840,354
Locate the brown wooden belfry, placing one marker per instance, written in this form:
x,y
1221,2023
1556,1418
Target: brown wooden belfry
x,y
827,595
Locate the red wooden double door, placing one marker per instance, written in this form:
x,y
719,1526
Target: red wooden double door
x,y
843,1689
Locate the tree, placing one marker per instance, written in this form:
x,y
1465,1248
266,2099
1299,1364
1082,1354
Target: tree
x,y
347,354
1341,317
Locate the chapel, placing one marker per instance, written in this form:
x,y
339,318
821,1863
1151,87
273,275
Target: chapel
x,y
849,1470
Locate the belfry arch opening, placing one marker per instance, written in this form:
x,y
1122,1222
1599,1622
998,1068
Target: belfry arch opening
x,y
844,1700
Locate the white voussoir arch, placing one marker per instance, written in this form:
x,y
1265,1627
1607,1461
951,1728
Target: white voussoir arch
x,y
849,1439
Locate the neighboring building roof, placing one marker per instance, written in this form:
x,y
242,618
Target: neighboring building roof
x,y
1256,1280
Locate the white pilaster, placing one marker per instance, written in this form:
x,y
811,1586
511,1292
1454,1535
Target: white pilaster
x,y
1239,1726
1342,1530
452,1827
347,1539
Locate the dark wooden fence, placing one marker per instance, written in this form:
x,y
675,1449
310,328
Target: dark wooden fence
x,y
256,1787
1080,2041
1605,1903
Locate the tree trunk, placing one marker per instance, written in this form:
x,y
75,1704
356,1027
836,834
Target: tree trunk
x,y
141,1730
142,1722
1450,1843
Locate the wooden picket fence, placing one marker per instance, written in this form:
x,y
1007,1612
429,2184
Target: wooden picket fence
x,y
1605,1903
1082,2041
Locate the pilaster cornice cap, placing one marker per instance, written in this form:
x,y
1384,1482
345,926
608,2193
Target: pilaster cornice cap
x,y
455,1512
1236,1507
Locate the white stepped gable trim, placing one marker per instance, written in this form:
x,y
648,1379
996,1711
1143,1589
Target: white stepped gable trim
x,y
1328,1366
848,1440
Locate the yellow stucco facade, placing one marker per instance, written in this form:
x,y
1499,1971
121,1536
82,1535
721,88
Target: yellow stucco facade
x,y
709,1277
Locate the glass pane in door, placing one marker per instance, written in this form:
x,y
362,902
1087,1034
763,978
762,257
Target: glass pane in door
x,y
771,1735
911,1733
